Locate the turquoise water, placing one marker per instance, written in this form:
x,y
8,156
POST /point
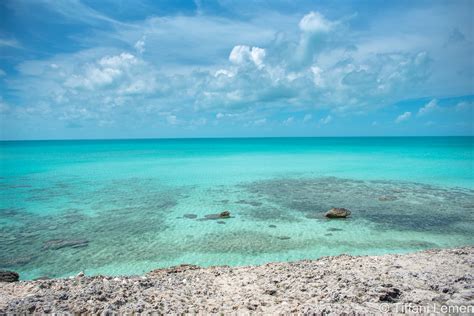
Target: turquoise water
x,y
129,206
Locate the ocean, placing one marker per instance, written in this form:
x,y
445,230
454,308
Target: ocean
x,y
123,207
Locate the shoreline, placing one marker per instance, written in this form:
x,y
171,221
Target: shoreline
x,y
426,280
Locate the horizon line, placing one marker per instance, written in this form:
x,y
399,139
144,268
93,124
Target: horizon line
x,y
230,137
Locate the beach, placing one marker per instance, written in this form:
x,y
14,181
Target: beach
x,y
424,282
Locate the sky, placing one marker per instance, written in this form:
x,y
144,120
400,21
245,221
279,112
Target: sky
x,y
83,69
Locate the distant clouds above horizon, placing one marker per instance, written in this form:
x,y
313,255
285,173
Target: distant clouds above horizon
x,y
119,69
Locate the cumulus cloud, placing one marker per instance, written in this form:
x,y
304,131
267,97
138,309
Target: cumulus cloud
x,y
429,107
140,45
241,54
403,117
315,22
320,63
104,72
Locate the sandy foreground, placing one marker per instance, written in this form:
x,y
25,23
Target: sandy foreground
x,y
433,281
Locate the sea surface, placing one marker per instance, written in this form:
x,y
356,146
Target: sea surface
x,y
129,206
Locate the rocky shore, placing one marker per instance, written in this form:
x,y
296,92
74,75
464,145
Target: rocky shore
x,y
419,282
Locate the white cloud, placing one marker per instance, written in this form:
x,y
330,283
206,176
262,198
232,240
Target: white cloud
x,y
315,22
326,120
260,122
428,107
316,64
241,54
403,117
140,45
104,72
289,120
172,120
198,122
9,42
464,106
317,76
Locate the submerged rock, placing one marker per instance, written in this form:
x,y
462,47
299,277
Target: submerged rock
x,y
9,276
384,198
17,261
225,214
63,243
337,212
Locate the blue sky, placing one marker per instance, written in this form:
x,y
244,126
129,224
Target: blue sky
x,y
133,69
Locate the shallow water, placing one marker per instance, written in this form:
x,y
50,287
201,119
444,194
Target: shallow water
x,y
126,207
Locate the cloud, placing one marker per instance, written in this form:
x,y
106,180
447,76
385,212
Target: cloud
x,y
260,122
107,70
464,106
315,22
243,69
241,54
403,117
429,107
253,79
172,120
326,120
140,45
289,120
9,42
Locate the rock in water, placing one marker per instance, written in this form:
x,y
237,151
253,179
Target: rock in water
x,y
221,215
225,214
9,276
337,212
